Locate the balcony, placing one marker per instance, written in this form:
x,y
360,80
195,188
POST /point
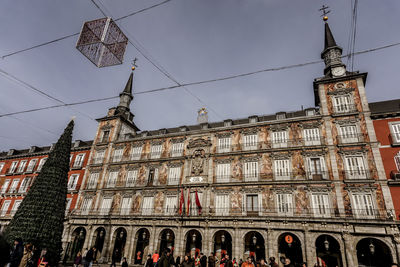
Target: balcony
x,y
343,109
350,139
359,174
98,160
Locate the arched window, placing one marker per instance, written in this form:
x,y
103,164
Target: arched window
x,y
397,161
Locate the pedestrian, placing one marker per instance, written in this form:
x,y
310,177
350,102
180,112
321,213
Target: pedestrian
x,y
263,263
155,258
90,257
178,261
43,258
203,260
26,260
78,259
16,253
228,262
187,262
124,263
248,263
235,263
288,263
114,258
211,260
165,260
149,261
272,262
240,262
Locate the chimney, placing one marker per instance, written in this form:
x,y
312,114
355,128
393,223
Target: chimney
x,y
202,116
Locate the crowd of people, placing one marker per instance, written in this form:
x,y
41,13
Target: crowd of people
x,y
23,255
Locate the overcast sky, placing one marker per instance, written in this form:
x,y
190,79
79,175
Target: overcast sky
x,y
193,40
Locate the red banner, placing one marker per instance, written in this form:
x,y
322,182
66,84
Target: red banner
x,y
188,203
198,204
181,202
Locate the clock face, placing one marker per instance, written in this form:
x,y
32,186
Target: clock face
x,y
338,71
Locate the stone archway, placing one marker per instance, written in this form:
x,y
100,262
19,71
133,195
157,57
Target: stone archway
x,y
372,252
78,237
98,240
222,244
328,251
254,245
142,238
119,244
193,242
167,241
289,246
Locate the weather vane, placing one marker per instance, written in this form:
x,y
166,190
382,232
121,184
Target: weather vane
x,y
325,12
134,66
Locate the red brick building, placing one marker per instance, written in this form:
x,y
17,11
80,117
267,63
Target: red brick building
x,y
386,120
18,169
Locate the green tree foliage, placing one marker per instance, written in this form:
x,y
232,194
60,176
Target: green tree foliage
x,y
39,219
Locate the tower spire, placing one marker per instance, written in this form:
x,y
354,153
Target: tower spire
x,y
126,96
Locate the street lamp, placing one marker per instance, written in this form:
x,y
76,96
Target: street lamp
x,y
194,237
254,240
326,244
144,235
168,235
371,248
223,238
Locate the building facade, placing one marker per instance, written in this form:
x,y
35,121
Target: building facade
x,y
308,185
18,169
386,120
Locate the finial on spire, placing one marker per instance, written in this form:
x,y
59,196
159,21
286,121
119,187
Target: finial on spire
x,y
134,66
325,12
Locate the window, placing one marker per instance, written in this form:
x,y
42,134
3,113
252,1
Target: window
x,y
106,205
284,204
170,205
152,178
252,204
14,184
126,205
320,205
136,152
73,180
131,177
79,160
5,207
147,208
24,185
86,205
222,205
177,149
105,136
342,104
310,112
117,156
112,179
15,206
31,165
224,144
282,169
395,132
155,151
397,161
13,167
5,186
250,141
251,171
279,139
194,210
22,166
316,167
363,205
348,134
223,172
355,167
68,206
70,158
98,159
94,177
174,175
281,116
311,137
41,163
1,166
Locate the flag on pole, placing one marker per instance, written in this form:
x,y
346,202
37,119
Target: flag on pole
x,y
198,204
181,203
188,203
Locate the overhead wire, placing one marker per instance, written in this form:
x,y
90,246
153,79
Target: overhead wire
x,y
199,82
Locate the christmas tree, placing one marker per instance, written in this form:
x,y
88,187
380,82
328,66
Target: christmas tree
x,y
39,219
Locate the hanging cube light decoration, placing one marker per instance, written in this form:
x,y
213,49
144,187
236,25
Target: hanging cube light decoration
x,y
102,42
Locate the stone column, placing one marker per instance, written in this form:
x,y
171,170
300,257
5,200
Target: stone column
x,y
131,254
107,241
178,243
86,244
349,261
236,243
308,246
152,239
128,243
207,242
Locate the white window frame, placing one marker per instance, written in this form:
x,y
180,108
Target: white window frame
x,y
312,137
280,139
224,144
171,204
394,128
177,149
282,169
147,205
131,178
223,172
284,204
363,205
250,141
41,163
86,205
5,207
136,152
73,181
174,175
315,173
156,151
13,167
256,207
15,206
99,157
222,204
31,165
397,161
126,204
193,207
93,179
112,179
251,171
106,204
2,166
14,186
348,133
342,103
24,185
79,160
117,155
5,186
21,166
321,205
353,171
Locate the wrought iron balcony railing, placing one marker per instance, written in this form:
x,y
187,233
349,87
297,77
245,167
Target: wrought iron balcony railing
x,y
357,174
345,108
350,138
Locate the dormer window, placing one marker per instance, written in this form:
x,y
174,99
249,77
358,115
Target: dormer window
x,y
105,136
310,112
227,123
253,119
281,116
